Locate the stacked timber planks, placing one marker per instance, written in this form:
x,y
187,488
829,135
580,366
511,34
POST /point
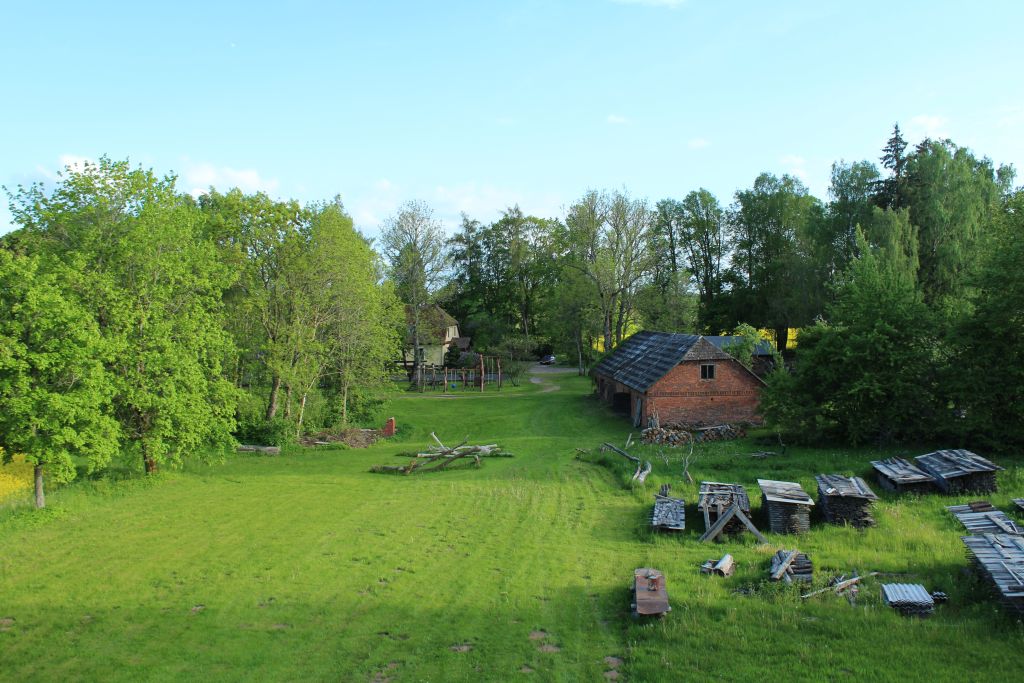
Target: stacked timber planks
x,y
789,506
669,514
1000,559
845,500
909,599
988,521
790,566
715,500
902,476
957,471
1019,502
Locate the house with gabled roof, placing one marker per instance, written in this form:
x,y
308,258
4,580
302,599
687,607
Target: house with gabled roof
x,y
683,379
438,331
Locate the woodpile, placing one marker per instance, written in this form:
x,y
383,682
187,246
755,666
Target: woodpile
x,y
1019,502
790,566
669,514
441,456
985,521
723,567
666,436
650,597
718,433
716,498
909,599
902,476
845,500
1000,559
789,506
959,471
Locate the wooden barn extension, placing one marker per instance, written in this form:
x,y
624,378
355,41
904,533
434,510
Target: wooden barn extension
x,y
960,470
679,379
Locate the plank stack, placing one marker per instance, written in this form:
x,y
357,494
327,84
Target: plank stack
x,y
1019,502
902,476
988,521
789,506
716,499
845,500
909,599
790,566
957,471
669,513
1000,559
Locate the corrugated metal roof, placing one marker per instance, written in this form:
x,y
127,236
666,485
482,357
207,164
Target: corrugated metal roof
x,y
906,594
646,357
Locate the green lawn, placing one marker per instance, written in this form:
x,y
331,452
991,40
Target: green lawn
x,y
308,567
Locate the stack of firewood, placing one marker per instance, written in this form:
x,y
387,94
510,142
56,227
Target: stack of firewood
x,y
718,433
790,566
666,436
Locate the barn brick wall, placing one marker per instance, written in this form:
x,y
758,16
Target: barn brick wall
x,y
682,397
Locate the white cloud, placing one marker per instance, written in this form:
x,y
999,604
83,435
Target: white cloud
x,y
65,161
201,176
616,120
927,126
796,166
1010,115
671,4
698,143
486,202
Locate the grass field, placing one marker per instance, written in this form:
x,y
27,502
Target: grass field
x,y
307,567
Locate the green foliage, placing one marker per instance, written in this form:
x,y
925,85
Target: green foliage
x,y
54,390
870,376
745,343
155,287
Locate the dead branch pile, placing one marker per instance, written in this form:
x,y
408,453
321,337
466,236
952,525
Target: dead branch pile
x,y
353,438
643,468
441,456
719,433
790,566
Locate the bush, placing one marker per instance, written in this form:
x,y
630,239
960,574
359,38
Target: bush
x,y
260,431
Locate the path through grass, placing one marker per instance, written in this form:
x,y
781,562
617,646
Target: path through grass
x,y
308,567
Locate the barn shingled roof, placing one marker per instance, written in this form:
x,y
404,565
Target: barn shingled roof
x,y
646,357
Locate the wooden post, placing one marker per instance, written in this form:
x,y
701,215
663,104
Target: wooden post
x,y
499,373
482,376
446,380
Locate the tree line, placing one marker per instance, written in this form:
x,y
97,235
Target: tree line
x,y
139,322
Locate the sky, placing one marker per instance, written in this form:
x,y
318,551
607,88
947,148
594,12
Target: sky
x,y
475,106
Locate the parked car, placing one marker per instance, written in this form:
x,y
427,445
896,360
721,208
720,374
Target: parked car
x,y
547,360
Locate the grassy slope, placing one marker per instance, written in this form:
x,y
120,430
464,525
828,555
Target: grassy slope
x,y
311,568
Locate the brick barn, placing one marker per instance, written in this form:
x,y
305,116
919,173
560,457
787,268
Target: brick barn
x,y
684,378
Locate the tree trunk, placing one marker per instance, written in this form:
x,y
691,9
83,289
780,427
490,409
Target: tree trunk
x,y
302,412
288,401
344,405
579,351
37,473
608,332
148,463
275,387
781,335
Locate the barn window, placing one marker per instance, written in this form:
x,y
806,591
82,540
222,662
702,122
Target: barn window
x,y
707,371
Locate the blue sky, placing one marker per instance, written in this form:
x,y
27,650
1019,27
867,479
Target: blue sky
x,y
473,106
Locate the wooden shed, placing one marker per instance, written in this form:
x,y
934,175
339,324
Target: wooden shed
x,y
902,476
680,379
957,471
1000,559
845,500
716,498
985,521
789,506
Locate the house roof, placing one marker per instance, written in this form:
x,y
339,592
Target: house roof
x,y
640,361
763,348
646,357
434,323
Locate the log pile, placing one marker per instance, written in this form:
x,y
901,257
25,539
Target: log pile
x,y
1000,559
790,566
909,599
718,433
789,507
669,514
957,471
902,476
666,436
845,500
440,456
